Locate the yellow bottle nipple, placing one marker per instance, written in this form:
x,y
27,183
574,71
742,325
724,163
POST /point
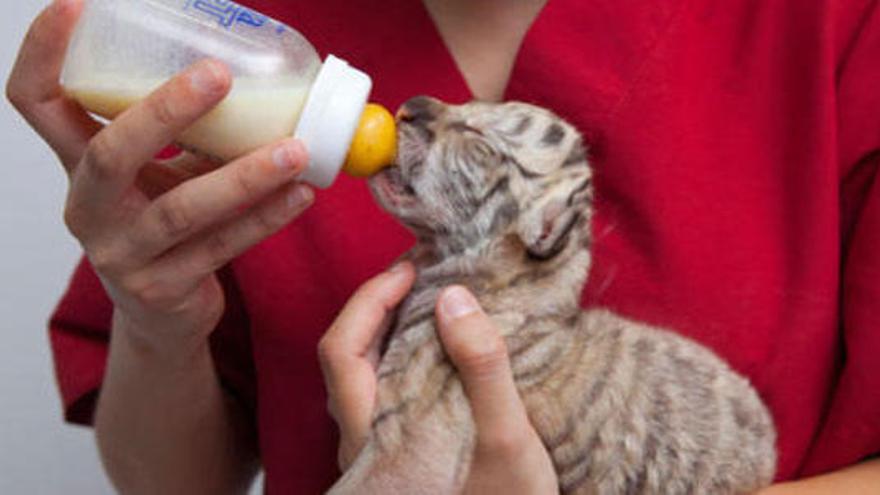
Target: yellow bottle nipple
x,y
374,146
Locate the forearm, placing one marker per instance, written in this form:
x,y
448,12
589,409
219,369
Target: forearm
x,y
863,478
164,424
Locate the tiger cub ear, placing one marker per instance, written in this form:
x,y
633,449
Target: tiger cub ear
x,y
545,226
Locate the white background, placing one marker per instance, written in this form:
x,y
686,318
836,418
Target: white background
x,y
39,454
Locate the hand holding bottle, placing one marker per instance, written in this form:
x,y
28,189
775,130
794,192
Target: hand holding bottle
x,y
156,256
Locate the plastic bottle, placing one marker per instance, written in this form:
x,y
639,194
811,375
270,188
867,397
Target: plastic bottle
x,y
121,50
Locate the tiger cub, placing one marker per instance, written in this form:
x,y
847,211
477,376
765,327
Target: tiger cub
x,y
500,199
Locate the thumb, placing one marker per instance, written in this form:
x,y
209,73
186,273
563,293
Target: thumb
x,y
478,351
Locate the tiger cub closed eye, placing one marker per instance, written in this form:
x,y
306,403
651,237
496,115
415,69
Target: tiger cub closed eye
x,y
500,198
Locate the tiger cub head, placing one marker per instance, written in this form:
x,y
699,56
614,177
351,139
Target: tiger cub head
x,y
477,172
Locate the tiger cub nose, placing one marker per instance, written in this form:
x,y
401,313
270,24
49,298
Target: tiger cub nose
x,y
420,110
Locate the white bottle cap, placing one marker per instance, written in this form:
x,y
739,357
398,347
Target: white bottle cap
x,y
330,118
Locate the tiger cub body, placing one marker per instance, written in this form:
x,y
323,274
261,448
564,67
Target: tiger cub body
x,y
500,199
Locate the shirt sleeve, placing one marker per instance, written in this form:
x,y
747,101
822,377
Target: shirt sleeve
x,y
851,431
79,334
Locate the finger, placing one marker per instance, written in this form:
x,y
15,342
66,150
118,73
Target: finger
x,y
178,274
155,179
348,373
509,456
360,324
163,174
116,154
201,202
207,253
352,404
191,163
478,351
34,88
37,69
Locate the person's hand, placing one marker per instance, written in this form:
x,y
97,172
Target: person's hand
x,y
154,239
509,456
349,355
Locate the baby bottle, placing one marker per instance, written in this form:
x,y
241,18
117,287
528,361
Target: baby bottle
x,y
121,50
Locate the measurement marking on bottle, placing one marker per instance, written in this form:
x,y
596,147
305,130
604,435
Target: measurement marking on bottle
x,y
228,13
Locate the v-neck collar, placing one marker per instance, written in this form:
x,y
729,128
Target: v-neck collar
x,y
559,30
578,57
438,38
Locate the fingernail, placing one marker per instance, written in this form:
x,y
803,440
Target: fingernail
x,y
301,195
287,154
208,77
456,302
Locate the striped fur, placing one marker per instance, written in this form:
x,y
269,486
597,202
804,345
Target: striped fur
x,y
500,198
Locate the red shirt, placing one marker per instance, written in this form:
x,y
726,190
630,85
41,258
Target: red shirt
x,y
736,146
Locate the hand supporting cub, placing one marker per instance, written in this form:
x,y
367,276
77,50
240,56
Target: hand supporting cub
x,y
508,456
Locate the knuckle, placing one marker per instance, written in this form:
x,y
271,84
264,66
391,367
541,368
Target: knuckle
x,y
244,183
484,361
267,221
101,158
103,258
15,96
74,218
163,110
326,350
172,217
332,357
502,443
220,249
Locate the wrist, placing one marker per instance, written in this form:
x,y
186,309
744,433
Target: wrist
x,y
152,341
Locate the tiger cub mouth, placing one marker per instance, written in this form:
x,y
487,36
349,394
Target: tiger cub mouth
x,y
393,184
390,185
